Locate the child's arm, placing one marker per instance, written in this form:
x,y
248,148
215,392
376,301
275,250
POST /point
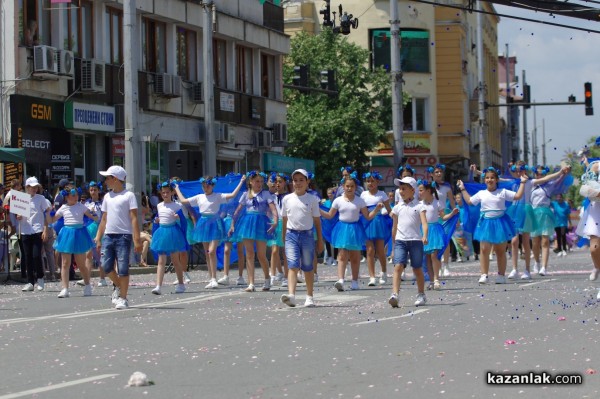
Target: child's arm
x,y
424,226
448,216
275,218
100,232
328,215
317,224
565,170
137,243
521,190
394,227
370,215
55,217
237,189
89,214
182,199
464,192
386,203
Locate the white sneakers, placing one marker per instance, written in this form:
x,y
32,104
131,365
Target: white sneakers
x,y
483,279
372,282
186,278
223,280
115,295
121,304
267,285
383,278
87,290
212,284
542,271
594,274
339,285
289,300
309,302
526,275
180,289
393,301
500,279
27,287
241,281
156,290
102,283
64,293
354,285
250,288
40,284
536,267
421,299
445,270
512,274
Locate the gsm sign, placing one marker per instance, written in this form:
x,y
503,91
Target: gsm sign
x,y
41,111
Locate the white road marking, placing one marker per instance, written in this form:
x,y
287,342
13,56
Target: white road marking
x,y
390,318
37,391
537,282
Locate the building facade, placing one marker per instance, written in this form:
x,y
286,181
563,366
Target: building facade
x,y
63,96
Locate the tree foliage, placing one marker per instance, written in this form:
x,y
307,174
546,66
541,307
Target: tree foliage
x,y
335,131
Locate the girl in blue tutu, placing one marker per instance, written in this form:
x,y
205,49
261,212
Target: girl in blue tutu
x,y
209,229
379,229
94,204
495,227
446,198
541,198
73,239
279,182
348,235
230,239
436,237
169,238
254,227
190,221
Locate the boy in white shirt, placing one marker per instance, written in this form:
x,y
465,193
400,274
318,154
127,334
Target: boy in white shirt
x,y
408,216
119,223
300,212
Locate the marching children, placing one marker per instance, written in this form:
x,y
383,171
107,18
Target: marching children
x,y
300,213
445,195
279,184
73,239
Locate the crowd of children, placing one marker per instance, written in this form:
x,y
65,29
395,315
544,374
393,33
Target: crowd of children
x,y
417,225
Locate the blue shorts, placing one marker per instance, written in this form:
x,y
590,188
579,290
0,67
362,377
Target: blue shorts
x,y
403,249
116,247
300,249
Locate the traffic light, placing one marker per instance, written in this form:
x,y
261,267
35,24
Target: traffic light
x,y
328,79
326,12
589,109
301,73
527,96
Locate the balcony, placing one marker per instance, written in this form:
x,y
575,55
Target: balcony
x,y
273,17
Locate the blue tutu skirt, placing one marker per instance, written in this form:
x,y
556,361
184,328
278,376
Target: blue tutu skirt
x,y
253,226
92,229
209,228
379,228
234,236
168,239
189,232
544,222
73,239
277,236
522,216
436,238
349,236
495,230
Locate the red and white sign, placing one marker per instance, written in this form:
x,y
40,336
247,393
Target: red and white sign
x,y
20,203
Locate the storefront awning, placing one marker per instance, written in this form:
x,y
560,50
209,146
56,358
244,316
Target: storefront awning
x,y
16,155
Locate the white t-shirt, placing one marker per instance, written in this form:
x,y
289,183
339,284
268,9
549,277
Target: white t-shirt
x,y
444,193
167,212
209,204
117,207
372,200
279,204
35,222
432,211
72,214
300,211
493,202
349,211
408,227
94,207
539,196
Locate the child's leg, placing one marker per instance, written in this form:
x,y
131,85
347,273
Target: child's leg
x,y
415,250
342,260
241,258
64,270
179,267
209,261
212,253
500,250
595,251
514,244
261,253
355,263
160,269
398,270
430,272
484,259
83,269
380,254
249,246
537,244
526,245
371,258
226,257
275,260
545,243
437,265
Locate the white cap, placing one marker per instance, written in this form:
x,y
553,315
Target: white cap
x,y
407,180
303,172
115,171
32,182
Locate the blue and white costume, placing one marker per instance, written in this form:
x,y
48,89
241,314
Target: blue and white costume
x,y
348,232
494,226
436,237
254,222
209,227
74,237
379,228
169,237
543,215
278,235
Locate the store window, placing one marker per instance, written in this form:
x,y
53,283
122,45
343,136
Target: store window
x,y
414,52
78,28
186,54
34,22
244,68
220,63
157,163
415,115
113,33
267,74
154,45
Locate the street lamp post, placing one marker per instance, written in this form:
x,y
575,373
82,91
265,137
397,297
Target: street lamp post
x,y
544,142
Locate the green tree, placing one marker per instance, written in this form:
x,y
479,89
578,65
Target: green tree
x,y
335,131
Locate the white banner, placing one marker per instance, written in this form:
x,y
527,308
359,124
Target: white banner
x,y
20,203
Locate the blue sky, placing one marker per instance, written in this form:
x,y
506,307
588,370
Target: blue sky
x,y
557,62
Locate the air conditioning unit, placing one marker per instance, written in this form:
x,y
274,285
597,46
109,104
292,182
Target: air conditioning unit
x,y
45,61
66,64
92,76
166,85
263,139
224,133
196,93
176,86
280,132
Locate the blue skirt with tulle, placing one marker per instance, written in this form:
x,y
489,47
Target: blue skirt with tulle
x,y
349,236
168,239
234,236
189,232
379,228
92,229
544,221
209,227
522,216
73,239
495,230
277,236
436,238
253,226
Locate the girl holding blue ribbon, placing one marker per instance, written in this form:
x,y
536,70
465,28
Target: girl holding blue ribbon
x,y
446,198
495,227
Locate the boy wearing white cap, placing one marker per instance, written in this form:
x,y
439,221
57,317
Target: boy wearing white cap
x,y
119,226
300,212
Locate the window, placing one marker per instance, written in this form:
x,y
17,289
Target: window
x,y
34,22
220,63
78,29
157,163
244,67
414,53
267,75
154,44
113,34
186,54
415,115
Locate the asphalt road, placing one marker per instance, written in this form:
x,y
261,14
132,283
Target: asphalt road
x,y
224,343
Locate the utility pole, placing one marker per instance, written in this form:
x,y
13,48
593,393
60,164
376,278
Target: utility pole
x,y
508,108
483,145
210,145
525,134
133,144
396,76
544,142
534,145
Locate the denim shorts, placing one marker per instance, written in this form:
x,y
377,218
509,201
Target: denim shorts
x,y
403,249
116,247
300,249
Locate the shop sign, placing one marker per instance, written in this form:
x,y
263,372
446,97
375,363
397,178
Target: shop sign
x,y
99,118
280,163
36,112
